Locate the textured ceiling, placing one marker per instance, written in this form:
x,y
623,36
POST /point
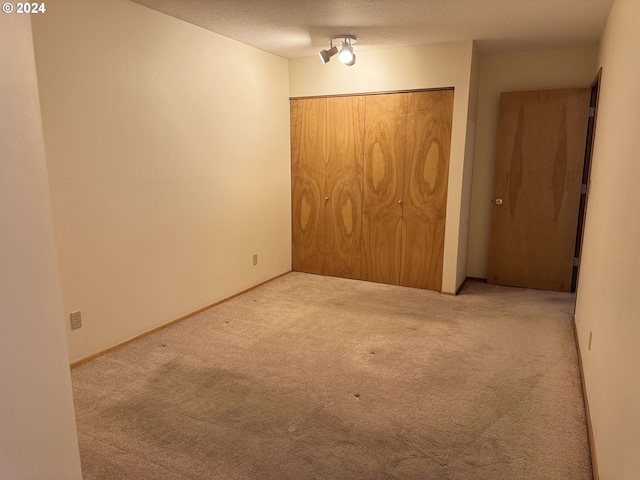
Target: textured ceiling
x,y
298,28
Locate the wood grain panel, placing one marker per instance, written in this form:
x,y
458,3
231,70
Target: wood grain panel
x,y
343,184
384,152
307,181
426,179
540,154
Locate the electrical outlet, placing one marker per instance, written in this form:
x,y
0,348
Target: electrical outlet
x,y
590,337
255,259
76,320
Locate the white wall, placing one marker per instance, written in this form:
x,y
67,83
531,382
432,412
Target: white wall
x,y
540,70
407,68
169,165
608,299
467,180
37,424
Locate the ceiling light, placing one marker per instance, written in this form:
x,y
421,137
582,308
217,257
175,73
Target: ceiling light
x,y
325,55
346,54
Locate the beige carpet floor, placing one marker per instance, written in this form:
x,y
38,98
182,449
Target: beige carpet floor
x,y
312,377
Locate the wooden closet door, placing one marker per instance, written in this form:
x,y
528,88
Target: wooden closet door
x,y
343,183
426,180
307,179
384,152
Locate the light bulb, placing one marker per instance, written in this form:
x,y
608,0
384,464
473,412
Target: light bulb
x,y
346,53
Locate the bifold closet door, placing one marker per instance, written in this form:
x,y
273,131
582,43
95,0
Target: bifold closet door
x,y
369,186
426,176
384,152
307,179
344,141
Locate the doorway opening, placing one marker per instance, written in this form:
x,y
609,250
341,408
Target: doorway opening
x,y
586,176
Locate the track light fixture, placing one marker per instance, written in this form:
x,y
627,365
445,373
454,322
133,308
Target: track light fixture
x,y
346,55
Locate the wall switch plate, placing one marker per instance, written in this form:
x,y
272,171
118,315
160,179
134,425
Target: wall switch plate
x,y
255,258
76,320
590,337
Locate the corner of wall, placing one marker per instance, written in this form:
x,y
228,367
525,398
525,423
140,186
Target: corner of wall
x,y
38,436
465,211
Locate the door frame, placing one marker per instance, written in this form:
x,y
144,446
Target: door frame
x,y
586,176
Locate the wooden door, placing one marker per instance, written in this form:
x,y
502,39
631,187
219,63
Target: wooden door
x,y
343,184
540,154
307,179
426,179
384,152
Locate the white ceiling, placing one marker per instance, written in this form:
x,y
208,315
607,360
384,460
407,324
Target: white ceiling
x,y
298,28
